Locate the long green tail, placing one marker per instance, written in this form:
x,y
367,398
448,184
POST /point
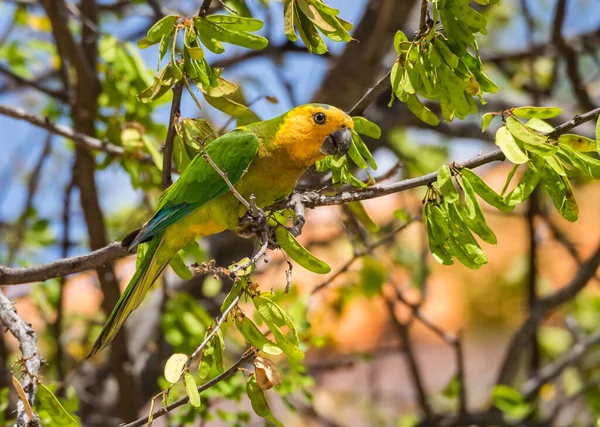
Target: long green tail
x,y
147,272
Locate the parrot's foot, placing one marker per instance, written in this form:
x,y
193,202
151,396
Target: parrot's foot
x,y
252,224
296,229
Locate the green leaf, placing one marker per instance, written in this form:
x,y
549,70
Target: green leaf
x,y
536,112
399,38
288,20
356,157
524,188
509,147
164,27
445,184
207,361
319,4
274,315
539,125
179,267
578,142
227,105
366,127
510,401
486,119
583,162
236,23
314,16
152,148
363,150
484,191
450,58
373,275
560,192
309,35
474,218
48,403
224,34
461,242
255,337
358,209
257,397
436,225
175,366
211,44
598,135
219,349
237,287
191,389
422,112
298,253
532,141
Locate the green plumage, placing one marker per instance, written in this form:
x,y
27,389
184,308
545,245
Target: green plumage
x,y
263,159
198,184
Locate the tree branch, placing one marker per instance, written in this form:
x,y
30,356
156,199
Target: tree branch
x,y
570,56
81,139
31,359
165,410
310,199
554,369
63,267
59,95
540,311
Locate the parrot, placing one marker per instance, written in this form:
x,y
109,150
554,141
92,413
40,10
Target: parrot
x,y
263,159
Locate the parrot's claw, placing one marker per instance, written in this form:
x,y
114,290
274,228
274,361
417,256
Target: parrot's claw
x,y
252,224
296,229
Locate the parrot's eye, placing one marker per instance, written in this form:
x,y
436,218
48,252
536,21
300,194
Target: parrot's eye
x,y
320,118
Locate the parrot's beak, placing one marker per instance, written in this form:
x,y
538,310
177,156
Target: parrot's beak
x,y
337,143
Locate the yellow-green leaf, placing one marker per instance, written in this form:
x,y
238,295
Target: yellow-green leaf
x,y
47,401
191,389
299,253
175,366
509,147
358,209
236,23
578,142
536,112
366,127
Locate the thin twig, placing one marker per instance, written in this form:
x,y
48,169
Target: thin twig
x,y
220,322
204,8
162,411
167,179
79,138
56,94
540,311
361,253
571,57
32,186
226,179
554,369
372,94
413,367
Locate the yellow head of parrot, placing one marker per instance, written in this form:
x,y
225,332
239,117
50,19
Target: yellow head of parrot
x,y
312,131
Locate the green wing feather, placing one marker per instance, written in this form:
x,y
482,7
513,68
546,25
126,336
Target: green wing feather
x,y
199,183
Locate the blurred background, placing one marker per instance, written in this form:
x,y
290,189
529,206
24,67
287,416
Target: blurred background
x,y
378,318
